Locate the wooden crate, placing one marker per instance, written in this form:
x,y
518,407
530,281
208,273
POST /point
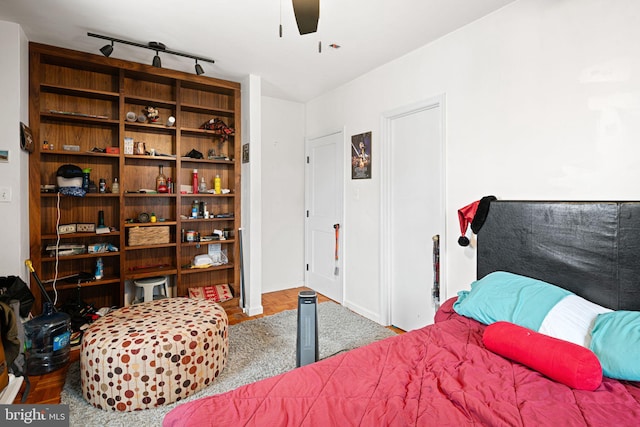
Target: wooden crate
x,y
139,236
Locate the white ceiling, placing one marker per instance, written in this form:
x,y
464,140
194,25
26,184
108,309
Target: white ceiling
x,y
242,35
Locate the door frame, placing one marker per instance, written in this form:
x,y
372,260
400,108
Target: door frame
x,y
307,197
385,198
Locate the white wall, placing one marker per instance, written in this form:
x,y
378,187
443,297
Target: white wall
x,y
543,102
282,194
14,108
251,184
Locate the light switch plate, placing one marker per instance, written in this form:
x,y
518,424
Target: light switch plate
x,y
5,194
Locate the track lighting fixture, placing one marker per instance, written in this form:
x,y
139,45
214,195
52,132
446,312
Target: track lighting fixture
x,y
199,70
155,46
156,61
107,49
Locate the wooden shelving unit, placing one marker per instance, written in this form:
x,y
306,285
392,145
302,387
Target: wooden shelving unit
x,y
79,99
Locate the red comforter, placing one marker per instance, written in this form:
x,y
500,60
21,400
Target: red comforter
x,y
440,375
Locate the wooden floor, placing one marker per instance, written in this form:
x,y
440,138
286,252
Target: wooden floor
x,y
46,389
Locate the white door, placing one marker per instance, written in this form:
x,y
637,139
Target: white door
x,y
415,211
323,203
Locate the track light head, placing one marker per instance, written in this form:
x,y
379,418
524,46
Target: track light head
x,y
107,49
156,61
199,70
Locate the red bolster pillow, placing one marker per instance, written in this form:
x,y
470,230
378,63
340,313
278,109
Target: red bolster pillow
x,y
563,361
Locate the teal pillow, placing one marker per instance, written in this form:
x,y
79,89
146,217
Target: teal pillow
x,y
615,339
502,296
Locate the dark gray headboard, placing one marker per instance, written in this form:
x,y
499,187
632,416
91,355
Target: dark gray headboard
x,y
589,248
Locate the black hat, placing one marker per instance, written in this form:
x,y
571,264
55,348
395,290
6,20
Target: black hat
x,y
69,171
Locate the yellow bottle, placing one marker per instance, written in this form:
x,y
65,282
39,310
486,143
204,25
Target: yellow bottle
x,y
216,185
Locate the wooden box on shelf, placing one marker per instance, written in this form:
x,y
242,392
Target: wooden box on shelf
x,y
140,236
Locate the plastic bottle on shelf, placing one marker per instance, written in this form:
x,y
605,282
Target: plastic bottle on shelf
x,y
86,178
161,181
194,181
217,184
115,187
195,207
99,268
203,185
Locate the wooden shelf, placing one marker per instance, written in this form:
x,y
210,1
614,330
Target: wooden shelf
x,y
149,101
79,118
207,110
80,99
71,236
212,161
78,153
88,196
132,195
47,258
145,247
207,132
208,269
141,273
63,285
149,224
154,127
88,93
192,220
210,242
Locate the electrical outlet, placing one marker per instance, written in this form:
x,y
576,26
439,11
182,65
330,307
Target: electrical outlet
x,y
85,228
66,228
5,194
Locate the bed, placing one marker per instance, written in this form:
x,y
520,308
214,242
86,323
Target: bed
x,y
490,365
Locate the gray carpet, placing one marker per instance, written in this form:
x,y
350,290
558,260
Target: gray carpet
x,y
258,349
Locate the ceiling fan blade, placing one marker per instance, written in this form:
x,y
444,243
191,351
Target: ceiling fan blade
x,y
307,13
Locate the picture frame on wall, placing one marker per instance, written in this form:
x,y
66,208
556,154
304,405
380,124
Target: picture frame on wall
x,y
26,138
245,153
361,156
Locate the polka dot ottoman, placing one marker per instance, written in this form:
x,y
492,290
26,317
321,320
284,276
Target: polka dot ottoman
x,y
152,354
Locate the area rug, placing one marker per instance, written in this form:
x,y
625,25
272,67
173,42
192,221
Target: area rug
x,y
258,349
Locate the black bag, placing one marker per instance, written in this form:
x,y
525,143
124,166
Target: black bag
x,y
194,154
14,288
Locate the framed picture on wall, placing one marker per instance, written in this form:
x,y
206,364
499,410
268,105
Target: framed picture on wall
x,y
245,153
361,156
26,138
